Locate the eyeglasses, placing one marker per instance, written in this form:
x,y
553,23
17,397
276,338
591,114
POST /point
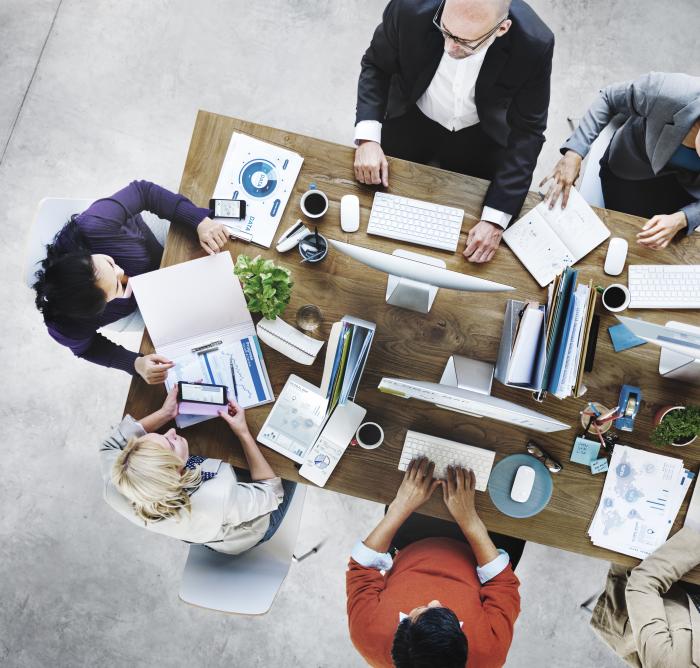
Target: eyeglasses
x,y
538,453
471,45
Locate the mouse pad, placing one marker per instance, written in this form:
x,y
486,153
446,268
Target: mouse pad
x,y
501,482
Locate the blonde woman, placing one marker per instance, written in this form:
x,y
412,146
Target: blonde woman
x,y
154,481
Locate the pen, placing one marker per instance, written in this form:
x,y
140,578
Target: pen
x,y
596,412
316,237
233,377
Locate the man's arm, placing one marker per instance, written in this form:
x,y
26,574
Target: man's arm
x,y
377,66
527,118
500,598
646,585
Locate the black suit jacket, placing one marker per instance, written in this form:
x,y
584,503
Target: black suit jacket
x,y
512,91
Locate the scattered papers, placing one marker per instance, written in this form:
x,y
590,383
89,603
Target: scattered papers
x,y
642,495
263,175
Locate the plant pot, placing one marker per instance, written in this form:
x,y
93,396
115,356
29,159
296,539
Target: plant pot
x,y
659,416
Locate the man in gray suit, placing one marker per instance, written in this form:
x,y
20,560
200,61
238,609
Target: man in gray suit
x,y
652,165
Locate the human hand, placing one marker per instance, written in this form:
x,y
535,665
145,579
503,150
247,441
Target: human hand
x,y
458,491
153,368
371,165
563,177
169,408
212,236
659,230
483,241
416,488
234,416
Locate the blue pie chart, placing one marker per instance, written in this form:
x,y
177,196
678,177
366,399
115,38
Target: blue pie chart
x,y
259,178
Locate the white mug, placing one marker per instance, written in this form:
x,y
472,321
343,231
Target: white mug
x,y
618,307
368,446
306,195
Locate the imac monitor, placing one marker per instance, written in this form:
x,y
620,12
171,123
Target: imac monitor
x,y
472,403
413,278
679,343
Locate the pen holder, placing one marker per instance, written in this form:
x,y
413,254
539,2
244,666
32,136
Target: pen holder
x,y
313,247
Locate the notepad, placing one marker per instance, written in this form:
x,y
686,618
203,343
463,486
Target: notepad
x,y
546,241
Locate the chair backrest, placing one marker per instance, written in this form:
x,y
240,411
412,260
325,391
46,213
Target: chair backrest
x,y
244,583
589,186
51,215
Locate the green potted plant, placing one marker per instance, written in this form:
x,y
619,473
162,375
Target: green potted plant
x,y
676,425
267,287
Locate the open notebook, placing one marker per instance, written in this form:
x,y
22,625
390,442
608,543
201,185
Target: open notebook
x,y
197,316
546,241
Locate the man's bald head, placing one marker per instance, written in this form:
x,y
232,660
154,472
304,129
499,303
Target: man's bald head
x,y
485,12
470,20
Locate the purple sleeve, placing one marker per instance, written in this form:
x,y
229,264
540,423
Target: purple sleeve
x,y
97,349
141,196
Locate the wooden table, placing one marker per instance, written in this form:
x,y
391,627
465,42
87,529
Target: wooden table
x,y
418,346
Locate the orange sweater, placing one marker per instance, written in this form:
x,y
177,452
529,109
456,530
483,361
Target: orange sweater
x,y
433,568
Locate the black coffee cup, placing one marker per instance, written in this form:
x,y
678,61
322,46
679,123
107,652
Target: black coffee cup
x,y
369,436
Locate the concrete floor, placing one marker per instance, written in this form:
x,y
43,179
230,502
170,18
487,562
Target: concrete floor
x,y
97,93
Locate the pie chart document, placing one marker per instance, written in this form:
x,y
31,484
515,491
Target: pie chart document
x,y
263,175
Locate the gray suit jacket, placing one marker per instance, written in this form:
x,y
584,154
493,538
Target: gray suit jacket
x,y
659,111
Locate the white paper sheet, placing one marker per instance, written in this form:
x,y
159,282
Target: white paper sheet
x,y
263,175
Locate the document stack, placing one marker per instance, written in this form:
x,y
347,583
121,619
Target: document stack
x,y
543,347
346,356
642,495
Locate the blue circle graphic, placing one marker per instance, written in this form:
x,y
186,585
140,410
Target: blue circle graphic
x,y
259,178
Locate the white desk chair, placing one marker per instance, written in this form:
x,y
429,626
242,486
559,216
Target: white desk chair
x,y
51,215
589,185
246,583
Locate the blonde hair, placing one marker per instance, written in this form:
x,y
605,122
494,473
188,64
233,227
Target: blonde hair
x,y
150,477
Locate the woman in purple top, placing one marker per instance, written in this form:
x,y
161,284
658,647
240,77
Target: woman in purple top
x,y
82,284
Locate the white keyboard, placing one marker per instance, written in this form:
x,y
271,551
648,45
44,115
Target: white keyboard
x,y
664,285
415,221
446,453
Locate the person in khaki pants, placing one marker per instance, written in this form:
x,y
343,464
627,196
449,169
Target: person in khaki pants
x,y
646,615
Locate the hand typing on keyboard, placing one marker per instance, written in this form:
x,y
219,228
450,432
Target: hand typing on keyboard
x,y
459,491
416,488
483,241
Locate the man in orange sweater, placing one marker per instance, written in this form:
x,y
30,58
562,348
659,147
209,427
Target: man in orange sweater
x,y
440,601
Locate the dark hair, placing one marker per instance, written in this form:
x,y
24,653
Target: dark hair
x,y
65,286
434,640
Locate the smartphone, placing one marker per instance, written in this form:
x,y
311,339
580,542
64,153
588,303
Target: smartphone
x,y
227,208
202,393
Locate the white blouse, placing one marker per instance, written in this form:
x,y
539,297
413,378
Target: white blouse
x,y
227,515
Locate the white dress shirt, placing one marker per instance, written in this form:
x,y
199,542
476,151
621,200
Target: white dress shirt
x,y
450,101
382,561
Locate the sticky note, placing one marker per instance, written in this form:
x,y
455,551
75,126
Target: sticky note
x,y
622,338
584,451
599,466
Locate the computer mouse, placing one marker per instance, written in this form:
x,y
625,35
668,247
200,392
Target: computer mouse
x,y
522,485
349,213
616,256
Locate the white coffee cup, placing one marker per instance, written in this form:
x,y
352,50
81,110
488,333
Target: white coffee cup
x,y
318,211
616,297
363,444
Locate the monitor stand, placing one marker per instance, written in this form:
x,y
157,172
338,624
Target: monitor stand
x,y
676,366
410,294
467,374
